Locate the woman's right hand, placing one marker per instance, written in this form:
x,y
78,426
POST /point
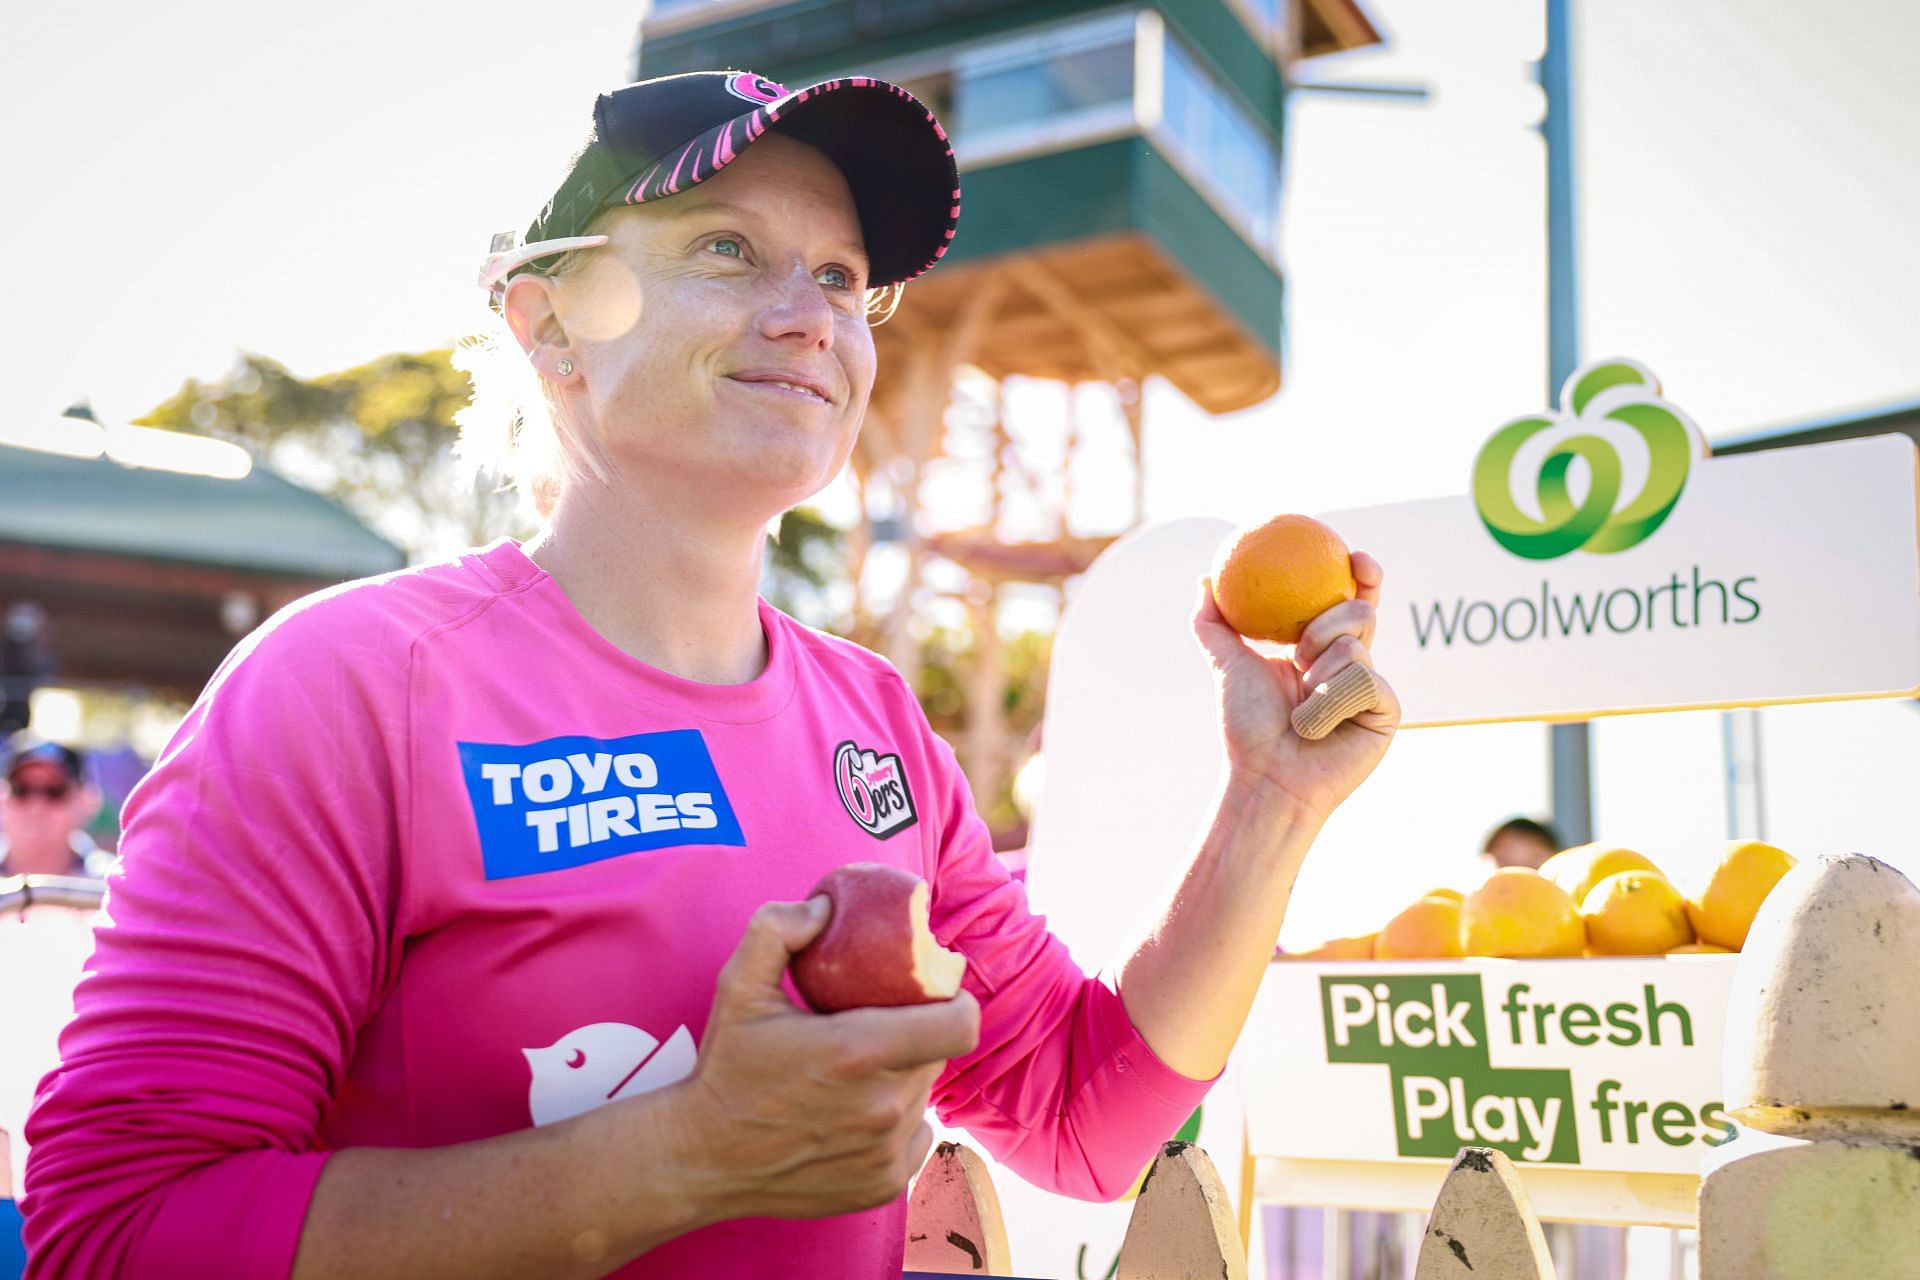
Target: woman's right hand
x,y
801,1115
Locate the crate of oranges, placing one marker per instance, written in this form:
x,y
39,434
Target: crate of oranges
x,y
1594,900
1572,1018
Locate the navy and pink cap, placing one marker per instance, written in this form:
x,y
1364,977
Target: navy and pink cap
x,y
656,138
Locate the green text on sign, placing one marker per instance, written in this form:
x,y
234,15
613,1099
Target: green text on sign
x,y
1431,1033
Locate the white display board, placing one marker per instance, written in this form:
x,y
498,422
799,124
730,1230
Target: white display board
x,y
1594,1064
1132,739
1133,755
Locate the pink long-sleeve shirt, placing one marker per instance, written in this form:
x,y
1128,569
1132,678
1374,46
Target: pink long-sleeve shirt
x,y
431,860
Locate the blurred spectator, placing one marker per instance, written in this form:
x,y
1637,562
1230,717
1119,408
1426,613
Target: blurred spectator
x,y
1521,842
44,811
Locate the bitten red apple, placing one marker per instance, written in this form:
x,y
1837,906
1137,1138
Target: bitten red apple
x,y
877,948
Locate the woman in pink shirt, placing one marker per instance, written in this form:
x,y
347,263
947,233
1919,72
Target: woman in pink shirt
x,y
453,925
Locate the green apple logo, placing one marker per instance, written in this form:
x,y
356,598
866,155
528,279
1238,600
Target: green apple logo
x,y
1626,392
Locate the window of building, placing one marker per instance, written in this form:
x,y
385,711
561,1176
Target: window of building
x,y
1219,145
1042,89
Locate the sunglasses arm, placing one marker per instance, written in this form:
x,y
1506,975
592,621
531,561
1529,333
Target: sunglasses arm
x,y
495,269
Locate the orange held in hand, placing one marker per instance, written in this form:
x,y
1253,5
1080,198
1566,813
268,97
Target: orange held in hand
x,y
1272,580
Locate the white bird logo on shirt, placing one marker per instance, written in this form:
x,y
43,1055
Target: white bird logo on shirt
x,y
599,1063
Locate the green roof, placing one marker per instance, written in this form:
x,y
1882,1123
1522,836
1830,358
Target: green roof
x,y
262,523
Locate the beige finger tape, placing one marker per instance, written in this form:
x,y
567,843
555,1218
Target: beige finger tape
x,y
1351,691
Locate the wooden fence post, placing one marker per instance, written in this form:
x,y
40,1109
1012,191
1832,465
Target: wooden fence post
x,y
1183,1225
1483,1226
953,1217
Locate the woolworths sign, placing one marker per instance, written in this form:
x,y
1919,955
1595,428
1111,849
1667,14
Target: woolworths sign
x,y
1592,1064
1604,562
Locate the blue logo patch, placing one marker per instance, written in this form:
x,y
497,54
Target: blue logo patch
x,y
569,801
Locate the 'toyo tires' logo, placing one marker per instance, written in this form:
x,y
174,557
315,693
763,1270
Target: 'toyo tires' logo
x,y
1621,391
874,789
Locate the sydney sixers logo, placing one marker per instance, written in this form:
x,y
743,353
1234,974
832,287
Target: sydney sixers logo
x,y
874,789
755,89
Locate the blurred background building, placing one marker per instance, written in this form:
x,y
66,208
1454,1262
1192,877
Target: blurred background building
x,y
131,560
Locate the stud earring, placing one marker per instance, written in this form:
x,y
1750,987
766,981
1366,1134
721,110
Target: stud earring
x,y
565,368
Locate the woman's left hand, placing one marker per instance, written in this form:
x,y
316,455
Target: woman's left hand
x,y
1257,695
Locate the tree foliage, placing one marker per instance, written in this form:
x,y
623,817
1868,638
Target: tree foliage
x,y
378,438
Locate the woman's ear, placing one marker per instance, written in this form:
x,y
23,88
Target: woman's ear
x,y
531,309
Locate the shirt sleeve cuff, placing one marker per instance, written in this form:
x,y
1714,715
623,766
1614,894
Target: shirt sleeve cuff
x,y
240,1216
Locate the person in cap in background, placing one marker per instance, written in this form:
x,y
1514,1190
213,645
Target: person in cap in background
x,y
454,921
44,813
1521,842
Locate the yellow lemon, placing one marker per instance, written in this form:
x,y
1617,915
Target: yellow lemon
x,y
1427,930
1358,947
1520,913
1723,912
1635,913
1700,949
1580,868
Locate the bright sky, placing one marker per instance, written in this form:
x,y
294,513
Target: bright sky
x,y
318,184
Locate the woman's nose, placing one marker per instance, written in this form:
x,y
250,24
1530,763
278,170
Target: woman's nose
x,y
798,310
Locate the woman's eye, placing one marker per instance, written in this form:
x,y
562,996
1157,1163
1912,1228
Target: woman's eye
x,y
727,246
835,277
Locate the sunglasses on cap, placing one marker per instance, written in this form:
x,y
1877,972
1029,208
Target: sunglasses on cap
x,y
656,138
26,791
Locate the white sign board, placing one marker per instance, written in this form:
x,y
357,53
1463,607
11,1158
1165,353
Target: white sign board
x,y
42,952
1133,747
1596,1064
1130,713
1787,576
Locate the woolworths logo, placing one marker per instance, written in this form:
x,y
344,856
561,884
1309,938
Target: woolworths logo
x,y
1620,391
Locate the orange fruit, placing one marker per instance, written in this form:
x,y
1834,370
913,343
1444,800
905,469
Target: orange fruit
x,y
1444,892
1427,930
1635,913
1272,580
1723,912
1699,949
1520,913
1358,947
1580,868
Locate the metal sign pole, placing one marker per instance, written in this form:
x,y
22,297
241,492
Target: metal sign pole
x,y
1572,767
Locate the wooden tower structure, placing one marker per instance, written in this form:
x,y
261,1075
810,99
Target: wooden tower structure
x,y
1120,168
